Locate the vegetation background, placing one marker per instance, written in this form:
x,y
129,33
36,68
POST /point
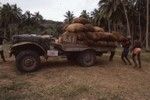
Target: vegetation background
x,y
62,80
129,17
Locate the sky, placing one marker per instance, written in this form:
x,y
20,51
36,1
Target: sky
x,y
54,9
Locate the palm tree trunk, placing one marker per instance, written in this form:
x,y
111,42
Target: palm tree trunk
x,y
114,26
147,27
109,25
132,33
127,19
140,27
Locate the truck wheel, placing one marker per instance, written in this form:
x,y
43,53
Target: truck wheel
x,y
27,61
87,58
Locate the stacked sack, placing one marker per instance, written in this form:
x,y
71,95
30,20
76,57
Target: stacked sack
x,y
81,31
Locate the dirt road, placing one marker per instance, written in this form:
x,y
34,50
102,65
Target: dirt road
x,y
61,80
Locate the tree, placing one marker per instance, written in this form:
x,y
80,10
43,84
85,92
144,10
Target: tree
x,y
31,22
69,17
85,14
125,16
95,17
5,17
12,21
37,16
10,17
55,29
118,14
147,27
111,11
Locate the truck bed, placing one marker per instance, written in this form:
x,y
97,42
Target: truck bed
x,y
69,47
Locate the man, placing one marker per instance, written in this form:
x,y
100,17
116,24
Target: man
x,y
126,46
136,51
112,53
1,48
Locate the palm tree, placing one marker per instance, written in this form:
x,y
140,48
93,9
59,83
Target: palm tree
x,y
27,23
28,18
37,16
106,11
6,18
28,15
110,10
37,20
147,27
10,17
125,4
138,6
16,13
96,17
69,17
85,14
55,29
5,15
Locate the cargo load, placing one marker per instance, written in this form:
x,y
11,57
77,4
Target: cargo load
x,y
81,31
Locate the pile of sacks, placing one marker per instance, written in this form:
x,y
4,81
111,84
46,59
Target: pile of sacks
x,y
81,31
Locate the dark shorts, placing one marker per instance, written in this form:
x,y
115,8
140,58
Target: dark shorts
x,y
125,51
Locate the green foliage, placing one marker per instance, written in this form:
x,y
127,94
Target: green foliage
x,y
113,14
69,17
85,14
13,21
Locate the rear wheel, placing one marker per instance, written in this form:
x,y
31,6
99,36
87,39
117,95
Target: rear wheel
x,y
87,58
27,61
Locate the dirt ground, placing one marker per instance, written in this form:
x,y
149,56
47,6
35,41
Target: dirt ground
x,y
61,80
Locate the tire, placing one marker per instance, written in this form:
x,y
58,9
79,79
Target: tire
x,y
87,58
27,61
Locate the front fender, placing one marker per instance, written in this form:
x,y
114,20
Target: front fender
x,y
16,48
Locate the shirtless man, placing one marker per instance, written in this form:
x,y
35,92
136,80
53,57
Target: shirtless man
x,y
126,46
136,51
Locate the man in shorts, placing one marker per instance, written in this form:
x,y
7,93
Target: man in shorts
x,y
126,46
136,51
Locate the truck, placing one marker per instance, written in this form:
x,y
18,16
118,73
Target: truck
x,y
28,49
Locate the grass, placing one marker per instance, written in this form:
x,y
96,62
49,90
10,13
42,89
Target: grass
x,y
14,86
5,76
61,80
145,56
109,96
70,91
12,91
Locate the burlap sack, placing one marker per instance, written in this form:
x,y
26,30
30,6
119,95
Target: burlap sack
x,y
89,42
118,36
89,28
93,36
81,36
65,26
75,28
68,38
105,44
110,36
80,20
98,29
